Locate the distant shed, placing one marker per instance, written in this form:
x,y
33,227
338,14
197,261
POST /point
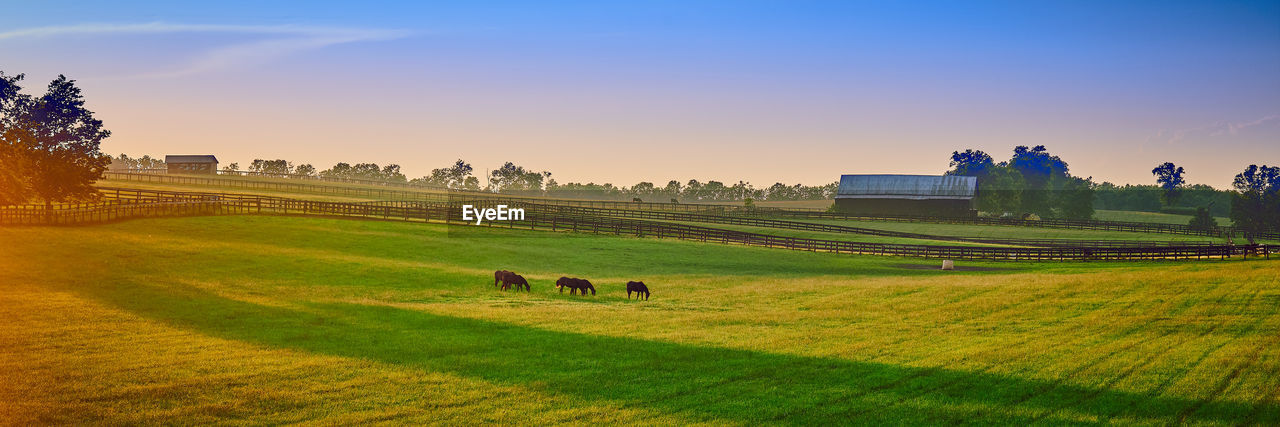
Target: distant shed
x,y
204,163
916,195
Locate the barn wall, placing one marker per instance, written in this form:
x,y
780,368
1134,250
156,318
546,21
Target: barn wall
x,y
945,207
193,168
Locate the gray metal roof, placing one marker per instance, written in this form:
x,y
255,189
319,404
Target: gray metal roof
x,y
202,158
917,187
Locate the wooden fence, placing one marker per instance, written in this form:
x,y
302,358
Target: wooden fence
x,y
86,213
555,218
831,228
390,194
737,210
491,200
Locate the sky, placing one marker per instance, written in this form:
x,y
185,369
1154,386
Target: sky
x,y
623,92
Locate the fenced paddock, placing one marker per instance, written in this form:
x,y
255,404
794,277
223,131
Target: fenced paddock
x,y
125,204
444,195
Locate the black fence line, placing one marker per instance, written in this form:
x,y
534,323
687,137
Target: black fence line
x,y
387,194
1140,227
807,226
557,221
492,200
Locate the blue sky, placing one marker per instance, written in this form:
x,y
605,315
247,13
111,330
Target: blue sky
x,y
628,91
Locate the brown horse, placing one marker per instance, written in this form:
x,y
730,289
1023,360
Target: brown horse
x,y
514,279
638,288
507,279
498,275
575,285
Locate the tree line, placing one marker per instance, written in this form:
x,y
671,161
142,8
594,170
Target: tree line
x,y
516,179
1035,182
1031,182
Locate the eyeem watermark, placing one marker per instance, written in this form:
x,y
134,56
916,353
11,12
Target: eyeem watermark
x,y
501,213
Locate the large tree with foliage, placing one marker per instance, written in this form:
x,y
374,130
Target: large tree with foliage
x,y
49,145
513,178
457,176
146,162
971,163
277,167
1169,178
1038,168
1256,205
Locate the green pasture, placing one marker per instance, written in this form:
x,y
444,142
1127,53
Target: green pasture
x,y
268,320
830,235
1156,217
1010,231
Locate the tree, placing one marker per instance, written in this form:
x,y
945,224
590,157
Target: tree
x,y
53,141
1256,205
970,163
999,191
1169,178
304,169
14,141
471,184
366,171
278,167
230,168
512,178
391,173
672,189
1037,167
1073,197
340,170
454,177
1203,220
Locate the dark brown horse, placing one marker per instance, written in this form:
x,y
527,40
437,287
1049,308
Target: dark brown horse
x,y
498,275
507,279
575,285
638,288
514,279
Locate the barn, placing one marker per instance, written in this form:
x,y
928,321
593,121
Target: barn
x,y
192,164
913,195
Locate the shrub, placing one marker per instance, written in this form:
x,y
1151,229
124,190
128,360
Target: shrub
x,y
1203,220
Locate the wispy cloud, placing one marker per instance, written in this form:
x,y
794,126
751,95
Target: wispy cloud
x,y
279,40
1216,129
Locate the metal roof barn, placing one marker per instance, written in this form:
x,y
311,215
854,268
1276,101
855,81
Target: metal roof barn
x,y
201,164
203,158
909,187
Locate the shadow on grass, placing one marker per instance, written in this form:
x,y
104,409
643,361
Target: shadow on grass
x,y
697,382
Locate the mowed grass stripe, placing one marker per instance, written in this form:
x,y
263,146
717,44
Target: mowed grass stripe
x,y
77,361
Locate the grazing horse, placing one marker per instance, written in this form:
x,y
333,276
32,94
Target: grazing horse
x,y
498,275
575,285
638,288
514,279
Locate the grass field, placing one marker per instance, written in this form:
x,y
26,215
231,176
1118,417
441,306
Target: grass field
x,y
1164,218
278,319
1009,231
